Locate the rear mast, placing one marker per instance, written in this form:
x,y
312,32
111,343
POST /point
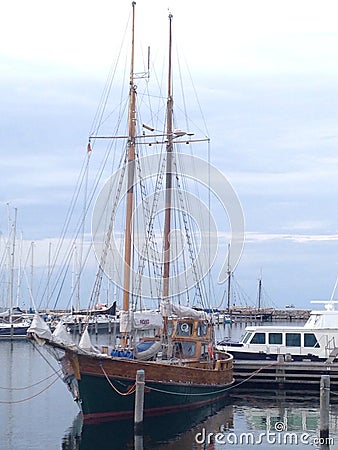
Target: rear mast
x,y
168,192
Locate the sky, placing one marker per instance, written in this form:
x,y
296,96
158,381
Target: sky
x,y
266,72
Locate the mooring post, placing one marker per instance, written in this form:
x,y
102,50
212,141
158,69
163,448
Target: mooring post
x,y
139,403
280,370
324,411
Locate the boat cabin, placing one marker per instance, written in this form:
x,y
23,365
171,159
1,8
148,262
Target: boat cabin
x,y
282,338
267,342
190,338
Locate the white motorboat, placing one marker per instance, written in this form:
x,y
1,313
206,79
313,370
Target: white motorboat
x,y
316,340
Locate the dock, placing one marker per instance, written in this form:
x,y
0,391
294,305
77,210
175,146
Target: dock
x,y
284,373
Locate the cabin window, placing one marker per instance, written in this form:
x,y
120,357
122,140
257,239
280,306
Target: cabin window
x,y
204,351
275,338
170,328
293,339
247,337
184,329
310,340
259,338
202,329
184,349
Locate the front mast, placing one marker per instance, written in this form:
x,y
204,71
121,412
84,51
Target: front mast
x,y
131,175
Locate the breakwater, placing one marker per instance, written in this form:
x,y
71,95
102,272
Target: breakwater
x,y
268,314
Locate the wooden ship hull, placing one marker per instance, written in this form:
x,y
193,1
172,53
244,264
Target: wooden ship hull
x,y
104,386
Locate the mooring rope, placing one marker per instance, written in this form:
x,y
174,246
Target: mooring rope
x,y
32,385
131,390
31,397
228,388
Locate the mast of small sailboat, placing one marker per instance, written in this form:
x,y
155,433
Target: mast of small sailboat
x,y
259,292
130,180
11,284
229,283
168,192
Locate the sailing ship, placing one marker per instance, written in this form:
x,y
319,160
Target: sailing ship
x,y
183,370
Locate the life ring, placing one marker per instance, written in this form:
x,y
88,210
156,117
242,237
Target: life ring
x,y
184,327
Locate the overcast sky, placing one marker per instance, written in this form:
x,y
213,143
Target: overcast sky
x,y
267,76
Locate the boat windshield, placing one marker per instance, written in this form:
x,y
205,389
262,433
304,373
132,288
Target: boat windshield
x,y
259,338
246,337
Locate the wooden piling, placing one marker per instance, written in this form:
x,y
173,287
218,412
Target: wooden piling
x,y
139,403
280,370
138,442
324,410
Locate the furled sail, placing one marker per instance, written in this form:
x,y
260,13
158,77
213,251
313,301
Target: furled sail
x,y
168,309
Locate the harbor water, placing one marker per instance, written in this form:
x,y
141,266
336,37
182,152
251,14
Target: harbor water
x,y
37,413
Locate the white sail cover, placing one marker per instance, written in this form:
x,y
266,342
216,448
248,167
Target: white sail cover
x,y
39,328
147,320
168,309
85,342
185,311
60,334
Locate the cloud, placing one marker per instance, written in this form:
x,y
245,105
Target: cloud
x,y
254,237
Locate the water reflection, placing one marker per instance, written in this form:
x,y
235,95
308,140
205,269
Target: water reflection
x,y
246,415
175,431
284,419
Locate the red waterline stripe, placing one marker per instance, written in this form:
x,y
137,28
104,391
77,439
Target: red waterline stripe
x,y
149,412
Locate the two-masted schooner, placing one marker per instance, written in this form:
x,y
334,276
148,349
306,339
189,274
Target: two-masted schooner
x,y
182,368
